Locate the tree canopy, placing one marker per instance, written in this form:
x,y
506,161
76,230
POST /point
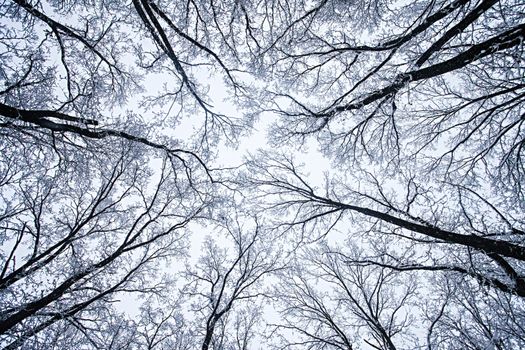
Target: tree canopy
x,y
126,221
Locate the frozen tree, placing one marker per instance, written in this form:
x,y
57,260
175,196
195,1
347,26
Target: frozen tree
x,y
78,231
419,106
111,123
218,301
327,302
226,286
435,86
402,231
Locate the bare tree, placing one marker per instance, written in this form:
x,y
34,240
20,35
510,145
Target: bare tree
x,y
85,217
435,86
405,231
74,237
224,281
68,68
328,302
162,324
414,216
420,108
111,120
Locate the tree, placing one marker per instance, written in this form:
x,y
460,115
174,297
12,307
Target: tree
x,y
327,302
223,279
432,86
419,107
85,217
462,314
217,302
76,236
67,68
404,231
111,124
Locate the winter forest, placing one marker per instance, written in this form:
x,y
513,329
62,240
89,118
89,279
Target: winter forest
x,y
271,174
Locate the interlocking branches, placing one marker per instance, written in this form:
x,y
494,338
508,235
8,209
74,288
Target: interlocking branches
x,y
285,191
